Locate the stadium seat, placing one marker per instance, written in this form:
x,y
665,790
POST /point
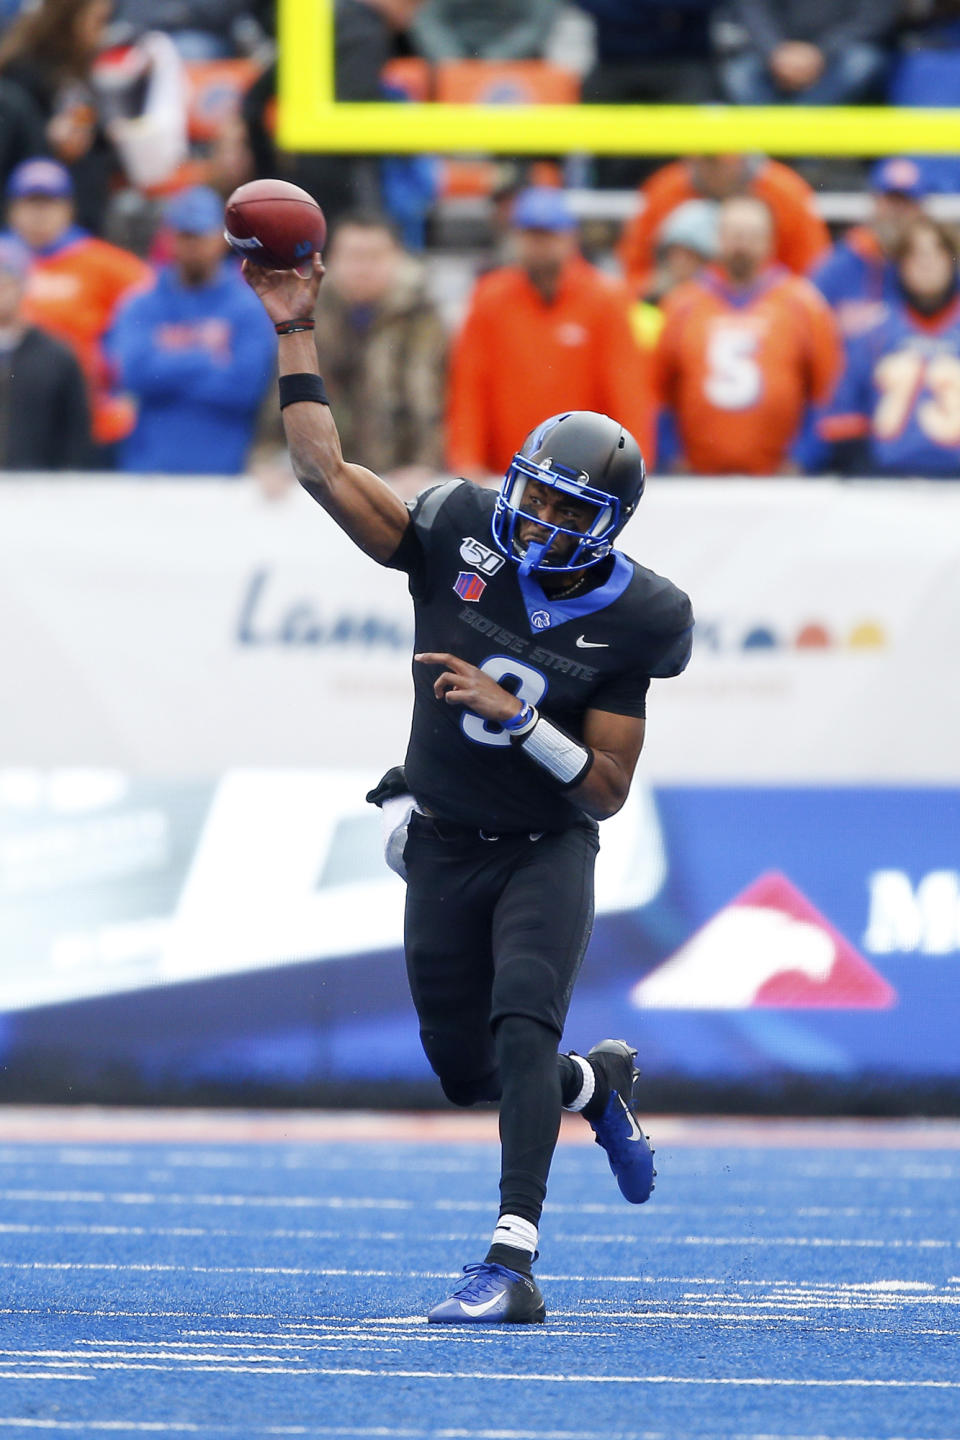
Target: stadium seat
x,y
216,88
410,74
506,82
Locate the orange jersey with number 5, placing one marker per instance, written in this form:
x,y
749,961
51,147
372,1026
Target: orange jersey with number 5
x,y
739,368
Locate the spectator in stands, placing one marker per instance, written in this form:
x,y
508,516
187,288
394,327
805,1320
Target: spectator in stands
x,y
686,242
746,350
897,408
196,351
76,284
21,129
495,30
200,29
858,278
48,53
809,52
142,99
384,351
649,52
800,237
545,334
44,415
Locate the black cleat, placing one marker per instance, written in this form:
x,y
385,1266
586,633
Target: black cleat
x,y
617,1130
491,1295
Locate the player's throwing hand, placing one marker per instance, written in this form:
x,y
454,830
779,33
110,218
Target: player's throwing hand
x,y
285,294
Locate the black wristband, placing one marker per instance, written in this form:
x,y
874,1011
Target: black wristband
x,y
293,327
302,386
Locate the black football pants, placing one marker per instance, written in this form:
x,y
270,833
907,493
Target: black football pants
x,y
495,932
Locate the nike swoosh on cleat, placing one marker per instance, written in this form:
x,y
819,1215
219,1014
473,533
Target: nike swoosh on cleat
x,y
592,644
635,1132
480,1309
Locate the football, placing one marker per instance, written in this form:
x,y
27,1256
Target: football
x,y
274,224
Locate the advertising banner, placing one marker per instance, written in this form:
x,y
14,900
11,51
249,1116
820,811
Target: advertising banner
x,y
186,628
200,686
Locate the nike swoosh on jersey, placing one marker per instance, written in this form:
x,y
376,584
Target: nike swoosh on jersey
x,y
592,644
480,1309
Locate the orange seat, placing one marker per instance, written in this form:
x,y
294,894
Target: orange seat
x,y
411,74
463,177
506,82
216,90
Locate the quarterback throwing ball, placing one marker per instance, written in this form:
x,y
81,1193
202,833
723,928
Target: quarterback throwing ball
x,y
536,640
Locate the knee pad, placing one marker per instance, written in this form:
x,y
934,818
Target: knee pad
x,y
525,987
465,1077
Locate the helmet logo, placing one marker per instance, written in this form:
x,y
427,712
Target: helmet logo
x,y
540,619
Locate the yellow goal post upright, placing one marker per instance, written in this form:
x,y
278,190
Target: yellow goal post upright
x,y
311,119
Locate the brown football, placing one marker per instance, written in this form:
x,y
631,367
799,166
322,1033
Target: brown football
x,y
274,223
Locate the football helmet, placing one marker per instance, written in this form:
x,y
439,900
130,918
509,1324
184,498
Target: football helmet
x,y
585,455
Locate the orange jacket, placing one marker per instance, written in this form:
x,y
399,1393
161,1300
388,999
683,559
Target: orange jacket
x,y
801,235
738,371
73,292
518,360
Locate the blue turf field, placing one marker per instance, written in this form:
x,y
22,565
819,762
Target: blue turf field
x,y
278,1288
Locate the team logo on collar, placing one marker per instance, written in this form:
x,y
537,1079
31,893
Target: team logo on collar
x,y
540,619
477,555
469,586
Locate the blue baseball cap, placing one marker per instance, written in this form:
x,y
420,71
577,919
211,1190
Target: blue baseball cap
x,y
197,211
542,207
897,176
40,177
14,257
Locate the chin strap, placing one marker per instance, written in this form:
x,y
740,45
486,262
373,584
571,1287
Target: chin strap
x,y
534,554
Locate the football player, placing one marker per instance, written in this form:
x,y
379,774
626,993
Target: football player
x,y
535,644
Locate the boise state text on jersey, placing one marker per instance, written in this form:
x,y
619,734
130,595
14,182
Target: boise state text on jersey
x,y
901,393
597,650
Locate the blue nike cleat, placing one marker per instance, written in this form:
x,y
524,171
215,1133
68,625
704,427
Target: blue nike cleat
x,y
491,1295
617,1129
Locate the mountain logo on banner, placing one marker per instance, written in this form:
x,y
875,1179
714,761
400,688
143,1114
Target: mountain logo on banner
x,y
769,948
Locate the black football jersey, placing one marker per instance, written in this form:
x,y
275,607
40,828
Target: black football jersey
x,y
597,650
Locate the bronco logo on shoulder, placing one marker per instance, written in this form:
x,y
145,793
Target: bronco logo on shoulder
x,y
540,620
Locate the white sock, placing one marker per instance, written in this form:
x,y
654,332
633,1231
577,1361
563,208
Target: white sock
x,y
516,1232
585,1094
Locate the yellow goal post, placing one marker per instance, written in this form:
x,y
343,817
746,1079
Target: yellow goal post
x,y
311,119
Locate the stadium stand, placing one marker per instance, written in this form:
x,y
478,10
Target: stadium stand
x,y
454,210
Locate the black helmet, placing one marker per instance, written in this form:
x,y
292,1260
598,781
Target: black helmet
x,y
588,456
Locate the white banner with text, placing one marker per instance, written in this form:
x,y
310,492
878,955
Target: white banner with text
x,y
187,628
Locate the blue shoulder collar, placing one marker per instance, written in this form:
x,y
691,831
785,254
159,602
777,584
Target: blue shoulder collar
x,y
545,612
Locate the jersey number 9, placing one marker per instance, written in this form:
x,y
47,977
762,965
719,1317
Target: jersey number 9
x,y
527,684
